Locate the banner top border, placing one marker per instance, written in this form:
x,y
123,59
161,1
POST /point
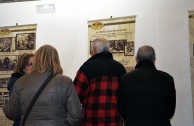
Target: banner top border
x,y
114,18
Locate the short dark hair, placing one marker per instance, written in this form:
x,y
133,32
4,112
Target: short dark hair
x,y
146,52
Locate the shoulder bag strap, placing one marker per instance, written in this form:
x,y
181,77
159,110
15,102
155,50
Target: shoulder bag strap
x,y
36,97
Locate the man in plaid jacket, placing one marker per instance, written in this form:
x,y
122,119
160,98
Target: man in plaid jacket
x,y
96,83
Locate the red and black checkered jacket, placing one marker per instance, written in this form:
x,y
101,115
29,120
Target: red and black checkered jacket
x,y
96,83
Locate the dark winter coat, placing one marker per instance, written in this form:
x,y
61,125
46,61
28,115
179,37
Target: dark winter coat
x,y
14,76
147,96
12,80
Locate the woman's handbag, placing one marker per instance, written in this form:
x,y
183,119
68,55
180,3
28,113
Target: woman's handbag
x,y
36,97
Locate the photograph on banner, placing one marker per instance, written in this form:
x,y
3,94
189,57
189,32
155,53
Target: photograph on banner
x,y
7,44
25,41
4,80
4,97
120,32
129,49
117,46
7,64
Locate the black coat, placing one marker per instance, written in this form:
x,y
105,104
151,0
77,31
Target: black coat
x,y
12,80
147,96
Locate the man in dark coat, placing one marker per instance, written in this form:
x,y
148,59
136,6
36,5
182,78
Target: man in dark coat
x,y
147,96
97,84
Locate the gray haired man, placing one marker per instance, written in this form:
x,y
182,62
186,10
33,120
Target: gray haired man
x,y
147,96
97,83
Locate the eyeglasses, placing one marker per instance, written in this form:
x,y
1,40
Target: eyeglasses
x,y
29,64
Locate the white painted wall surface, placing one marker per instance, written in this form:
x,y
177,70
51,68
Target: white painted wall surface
x,y
162,24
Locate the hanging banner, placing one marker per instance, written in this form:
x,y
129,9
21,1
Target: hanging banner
x,y
14,41
121,35
191,43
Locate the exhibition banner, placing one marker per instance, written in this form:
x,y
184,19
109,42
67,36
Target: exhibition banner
x,y
121,35
14,41
191,43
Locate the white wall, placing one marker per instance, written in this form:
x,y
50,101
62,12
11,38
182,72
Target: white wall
x,y
160,23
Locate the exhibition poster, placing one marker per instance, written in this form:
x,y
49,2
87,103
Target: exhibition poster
x,y
121,35
14,41
191,42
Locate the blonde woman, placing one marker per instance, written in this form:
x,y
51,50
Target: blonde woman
x,y
58,104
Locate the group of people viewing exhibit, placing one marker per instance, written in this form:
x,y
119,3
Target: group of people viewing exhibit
x,y
102,93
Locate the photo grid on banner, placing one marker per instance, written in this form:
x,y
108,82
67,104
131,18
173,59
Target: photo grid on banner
x,y
120,32
14,41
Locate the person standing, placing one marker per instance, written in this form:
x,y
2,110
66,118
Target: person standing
x,y
96,83
23,66
147,96
57,105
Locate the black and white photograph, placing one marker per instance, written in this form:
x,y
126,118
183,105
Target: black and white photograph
x,y
117,46
129,49
7,63
3,82
6,44
25,41
4,97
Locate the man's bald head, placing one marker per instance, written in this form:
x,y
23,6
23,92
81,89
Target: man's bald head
x,y
146,53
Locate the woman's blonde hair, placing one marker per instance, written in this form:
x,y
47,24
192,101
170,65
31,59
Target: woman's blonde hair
x,y
47,59
22,62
